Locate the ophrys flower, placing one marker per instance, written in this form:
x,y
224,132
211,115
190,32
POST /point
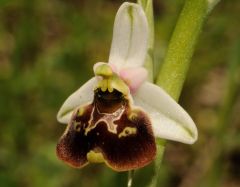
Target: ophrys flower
x,y
116,116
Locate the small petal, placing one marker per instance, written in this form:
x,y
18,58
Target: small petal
x,y
169,119
130,36
82,96
134,77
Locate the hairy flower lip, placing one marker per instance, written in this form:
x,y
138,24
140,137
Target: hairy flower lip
x,y
122,149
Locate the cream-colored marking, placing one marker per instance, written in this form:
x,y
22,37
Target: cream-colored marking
x,y
109,119
95,157
127,131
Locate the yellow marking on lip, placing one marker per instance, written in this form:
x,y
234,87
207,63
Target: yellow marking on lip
x,y
127,131
133,115
95,157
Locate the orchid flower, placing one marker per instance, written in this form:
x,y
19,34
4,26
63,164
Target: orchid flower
x,y
116,116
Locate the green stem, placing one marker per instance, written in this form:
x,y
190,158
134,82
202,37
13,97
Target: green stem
x,y
157,163
180,50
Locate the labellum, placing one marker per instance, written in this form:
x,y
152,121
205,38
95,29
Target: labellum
x,y
108,130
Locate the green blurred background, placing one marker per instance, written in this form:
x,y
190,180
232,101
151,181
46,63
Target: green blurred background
x,y
47,50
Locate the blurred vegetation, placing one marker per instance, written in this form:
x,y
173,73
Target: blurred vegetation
x,y
47,49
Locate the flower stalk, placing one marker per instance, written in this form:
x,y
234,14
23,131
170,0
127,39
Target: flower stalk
x,y
178,57
181,47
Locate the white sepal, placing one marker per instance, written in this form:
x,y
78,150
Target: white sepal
x,y
130,37
80,97
169,120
